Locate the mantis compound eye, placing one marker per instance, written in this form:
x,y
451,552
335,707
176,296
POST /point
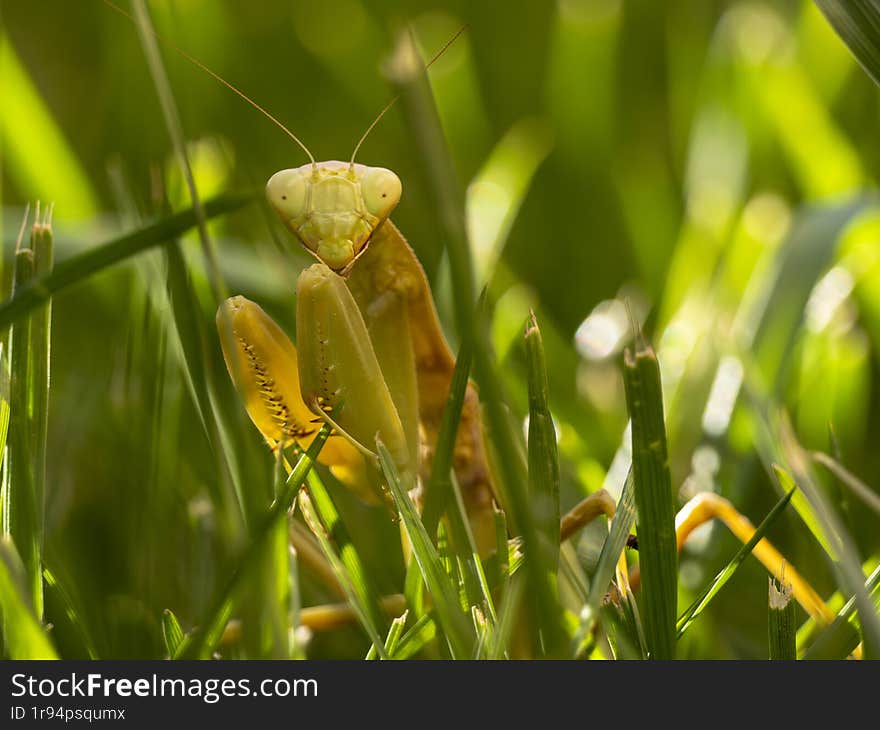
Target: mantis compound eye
x,y
381,191
287,193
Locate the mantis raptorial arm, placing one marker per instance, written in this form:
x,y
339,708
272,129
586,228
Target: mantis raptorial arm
x,y
263,365
340,378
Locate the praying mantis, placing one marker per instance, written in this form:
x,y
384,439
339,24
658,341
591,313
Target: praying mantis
x,y
371,358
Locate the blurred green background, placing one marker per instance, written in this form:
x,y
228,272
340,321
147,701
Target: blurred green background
x,y
705,161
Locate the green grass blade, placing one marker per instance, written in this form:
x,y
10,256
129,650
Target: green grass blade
x,y
371,627
508,613
439,486
175,131
841,637
326,524
407,71
634,621
621,527
4,412
393,639
857,22
63,611
422,632
189,327
543,456
658,555
474,577
781,628
201,642
80,267
394,633
172,633
295,647
39,347
456,626
408,74
848,567
23,636
711,590
805,255
24,494
622,626
850,480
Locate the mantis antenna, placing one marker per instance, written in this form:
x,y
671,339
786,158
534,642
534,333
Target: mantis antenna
x,y
391,103
193,60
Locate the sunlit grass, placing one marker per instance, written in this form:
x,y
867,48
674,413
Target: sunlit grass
x,y
727,200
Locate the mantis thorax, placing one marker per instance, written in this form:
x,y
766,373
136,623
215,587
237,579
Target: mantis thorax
x,y
334,207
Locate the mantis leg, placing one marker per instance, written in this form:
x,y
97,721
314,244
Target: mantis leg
x,y
340,376
392,292
263,365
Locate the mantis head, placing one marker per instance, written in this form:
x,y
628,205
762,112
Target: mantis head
x,y
334,207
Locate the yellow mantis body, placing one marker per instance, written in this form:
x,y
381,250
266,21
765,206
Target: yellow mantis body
x,y
373,360
339,211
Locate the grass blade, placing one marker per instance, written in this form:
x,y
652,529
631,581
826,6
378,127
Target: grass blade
x,y
4,417
172,633
850,480
781,628
65,612
371,627
711,590
850,577
175,131
408,74
858,25
80,267
419,635
476,585
456,625
23,635
39,347
543,457
658,555
621,527
326,524
189,328
507,616
841,637
42,246
29,346
393,638
201,642
394,633
439,486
